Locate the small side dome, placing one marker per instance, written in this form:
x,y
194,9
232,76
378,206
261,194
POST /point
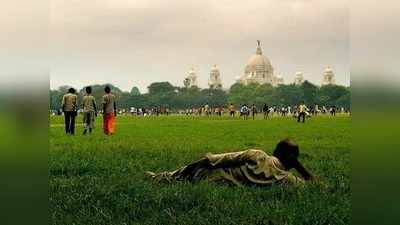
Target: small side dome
x,y
299,74
328,69
214,68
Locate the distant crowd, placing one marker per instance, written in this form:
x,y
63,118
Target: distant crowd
x,y
89,109
252,110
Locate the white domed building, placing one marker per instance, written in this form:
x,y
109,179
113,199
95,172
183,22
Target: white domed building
x,y
298,78
191,79
258,69
328,77
214,81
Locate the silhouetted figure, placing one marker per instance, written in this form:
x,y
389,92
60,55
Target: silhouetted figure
x,y
69,107
265,111
253,111
333,111
302,112
232,110
244,111
109,111
89,110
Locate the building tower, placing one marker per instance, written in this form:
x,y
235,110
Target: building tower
x,y
215,78
258,69
328,77
298,78
191,79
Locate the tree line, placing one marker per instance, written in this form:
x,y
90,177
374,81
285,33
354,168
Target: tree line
x,y
167,95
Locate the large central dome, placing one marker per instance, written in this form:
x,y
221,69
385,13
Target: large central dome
x,y
258,63
258,69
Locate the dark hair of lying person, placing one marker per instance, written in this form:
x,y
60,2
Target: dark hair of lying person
x,y
287,151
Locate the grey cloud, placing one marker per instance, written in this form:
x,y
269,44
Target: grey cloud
x,y
140,42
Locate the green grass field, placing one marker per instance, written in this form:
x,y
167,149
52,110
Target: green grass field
x,y
100,179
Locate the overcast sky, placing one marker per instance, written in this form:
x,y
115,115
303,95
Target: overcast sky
x,y
135,43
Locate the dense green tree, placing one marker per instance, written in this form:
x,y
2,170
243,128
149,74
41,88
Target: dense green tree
x,y
264,95
214,97
243,94
330,94
135,91
189,97
55,99
161,88
310,92
165,94
344,101
287,95
161,94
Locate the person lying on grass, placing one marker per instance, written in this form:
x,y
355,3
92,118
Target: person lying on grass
x,y
249,167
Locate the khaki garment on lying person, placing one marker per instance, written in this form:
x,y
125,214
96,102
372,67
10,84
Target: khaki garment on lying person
x,y
241,168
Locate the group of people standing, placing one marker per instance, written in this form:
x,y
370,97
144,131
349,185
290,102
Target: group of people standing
x,y
245,111
300,112
69,105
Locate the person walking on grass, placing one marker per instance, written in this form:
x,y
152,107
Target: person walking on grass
x,y
316,110
89,110
333,110
265,111
109,111
253,111
207,109
220,110
232,110
302,112
69,107
284,111
244,111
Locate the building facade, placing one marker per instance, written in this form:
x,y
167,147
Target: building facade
x,y
298,78
258,69
328,77
214,82
191,79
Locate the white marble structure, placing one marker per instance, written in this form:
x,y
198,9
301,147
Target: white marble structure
x,y
258,69
298,78
214,82
191,79
328,77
